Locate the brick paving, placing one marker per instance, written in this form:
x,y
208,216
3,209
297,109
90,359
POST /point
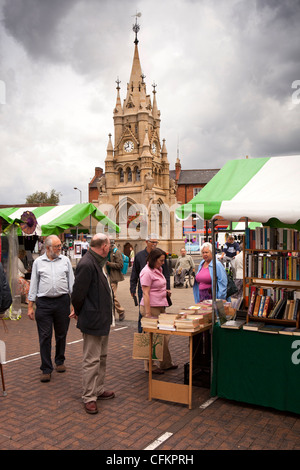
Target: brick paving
x,y
50,416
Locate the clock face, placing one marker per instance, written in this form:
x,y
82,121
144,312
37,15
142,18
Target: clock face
x,y
153,147
128,146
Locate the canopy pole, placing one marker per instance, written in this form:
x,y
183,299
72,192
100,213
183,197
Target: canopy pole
x,y
214,294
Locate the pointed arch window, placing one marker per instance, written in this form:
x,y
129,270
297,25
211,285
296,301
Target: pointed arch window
x,y
137,173
129,175
121,175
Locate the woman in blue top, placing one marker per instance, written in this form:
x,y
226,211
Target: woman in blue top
x,y
203,285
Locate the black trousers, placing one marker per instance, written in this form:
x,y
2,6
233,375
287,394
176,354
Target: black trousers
x,y
52,313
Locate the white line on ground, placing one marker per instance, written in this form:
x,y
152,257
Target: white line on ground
x,y
167,435
72,342
208,402
159,441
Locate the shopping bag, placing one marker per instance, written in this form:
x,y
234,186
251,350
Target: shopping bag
x,y
231,287
141,346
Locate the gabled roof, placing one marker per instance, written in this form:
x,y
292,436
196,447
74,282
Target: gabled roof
x,y
194,176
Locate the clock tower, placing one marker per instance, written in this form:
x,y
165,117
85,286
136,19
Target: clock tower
x,y
136,188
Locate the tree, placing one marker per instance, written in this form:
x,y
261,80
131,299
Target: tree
x,y
40,197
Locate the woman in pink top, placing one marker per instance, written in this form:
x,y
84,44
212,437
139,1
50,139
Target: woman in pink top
x,y
154,300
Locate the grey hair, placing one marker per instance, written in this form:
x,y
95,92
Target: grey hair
x,y
206,245
100,239
48,241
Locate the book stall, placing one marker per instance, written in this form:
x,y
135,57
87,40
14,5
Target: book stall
x,y
256,352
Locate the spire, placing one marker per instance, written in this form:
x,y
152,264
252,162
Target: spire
x,y
146,146
109,150
136,88
164,152
118,107
155,112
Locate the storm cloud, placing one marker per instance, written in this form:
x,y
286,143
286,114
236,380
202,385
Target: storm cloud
x,y
226,74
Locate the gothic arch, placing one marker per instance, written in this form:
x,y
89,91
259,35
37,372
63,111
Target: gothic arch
x,y
132,218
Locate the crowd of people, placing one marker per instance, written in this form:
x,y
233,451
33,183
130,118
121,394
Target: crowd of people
x,y
55,295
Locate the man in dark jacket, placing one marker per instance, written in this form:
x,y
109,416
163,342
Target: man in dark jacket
x,y
139,263
93,305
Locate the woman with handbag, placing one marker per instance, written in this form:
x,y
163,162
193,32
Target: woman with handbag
x,y
204,278
154,300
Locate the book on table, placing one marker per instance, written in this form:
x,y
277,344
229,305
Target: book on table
x,y
234,324
253,326
271,329
287,331
149,322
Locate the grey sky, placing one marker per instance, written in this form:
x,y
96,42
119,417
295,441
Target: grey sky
x,y
224,71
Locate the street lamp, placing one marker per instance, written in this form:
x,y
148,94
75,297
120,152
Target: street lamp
x,y
80,194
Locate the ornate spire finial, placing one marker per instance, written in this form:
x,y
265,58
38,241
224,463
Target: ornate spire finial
x,y
154,86
136,27
118,83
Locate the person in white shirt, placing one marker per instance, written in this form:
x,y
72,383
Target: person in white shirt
x,y
51,285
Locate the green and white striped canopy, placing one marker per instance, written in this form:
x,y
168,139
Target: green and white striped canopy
x,y
265,190
53,220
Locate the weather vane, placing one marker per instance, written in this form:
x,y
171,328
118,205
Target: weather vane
x,y
136,26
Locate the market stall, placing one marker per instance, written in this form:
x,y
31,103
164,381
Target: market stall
x,y
53,220
41,221
246,365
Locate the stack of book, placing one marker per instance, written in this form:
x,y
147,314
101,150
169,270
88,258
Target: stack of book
x,y
203,318
150,322
166,321
188,324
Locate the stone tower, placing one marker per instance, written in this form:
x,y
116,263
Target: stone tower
x,y
136,190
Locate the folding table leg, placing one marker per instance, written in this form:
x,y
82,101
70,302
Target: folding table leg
x,y
2,378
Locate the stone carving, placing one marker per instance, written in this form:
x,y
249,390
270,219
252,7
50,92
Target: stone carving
x,y
101,185
149,182
173,186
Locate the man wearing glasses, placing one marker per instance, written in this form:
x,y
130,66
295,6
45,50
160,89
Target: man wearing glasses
x,y
51,285
139,263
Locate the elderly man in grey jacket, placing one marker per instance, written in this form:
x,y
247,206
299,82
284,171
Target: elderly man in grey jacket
x,y
114,266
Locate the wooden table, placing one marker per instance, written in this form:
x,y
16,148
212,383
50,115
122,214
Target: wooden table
x,y
169,391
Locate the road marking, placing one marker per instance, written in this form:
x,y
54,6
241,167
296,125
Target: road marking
x,y
159,441
180,424
22,357
36,353
208,402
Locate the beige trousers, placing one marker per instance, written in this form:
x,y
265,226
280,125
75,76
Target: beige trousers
x,y
93,366
167,360
120,310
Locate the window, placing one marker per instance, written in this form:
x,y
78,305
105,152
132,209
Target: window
x,y
196,191
121,174
137,174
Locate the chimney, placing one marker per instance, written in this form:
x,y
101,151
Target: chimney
x,y
98,172
177,169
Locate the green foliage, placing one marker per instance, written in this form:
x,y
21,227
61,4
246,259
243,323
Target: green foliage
x,y
40,197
